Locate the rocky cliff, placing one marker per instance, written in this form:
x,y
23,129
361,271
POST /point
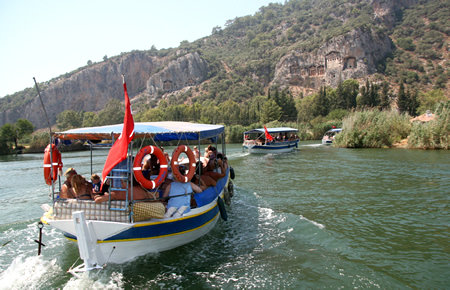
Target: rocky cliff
x,y
91,88
188,70
350,56
251,54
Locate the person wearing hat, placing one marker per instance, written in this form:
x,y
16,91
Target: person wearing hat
x,y
66,188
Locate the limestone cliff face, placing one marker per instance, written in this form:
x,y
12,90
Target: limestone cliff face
x,y
353,55
89,89
92,88
188,70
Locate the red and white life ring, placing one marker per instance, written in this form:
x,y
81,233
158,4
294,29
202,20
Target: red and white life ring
x,y
137,167
55,160
174,163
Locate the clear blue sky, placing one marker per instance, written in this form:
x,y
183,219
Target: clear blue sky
x,y
48,38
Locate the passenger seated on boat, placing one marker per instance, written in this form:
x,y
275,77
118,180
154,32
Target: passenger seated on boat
x,y
166,182
151,167
210,153
165,155
96,183
218,168
97,188
209,171
196,153
205,181
139,193
179,194
202,180
81,187
66,188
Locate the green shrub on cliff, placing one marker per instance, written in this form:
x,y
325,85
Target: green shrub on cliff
x,y
373,129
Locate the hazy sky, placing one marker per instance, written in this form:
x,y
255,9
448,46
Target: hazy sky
x,y
48,38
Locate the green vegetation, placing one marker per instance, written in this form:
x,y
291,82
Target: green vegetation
x,y
312,115
380,129
433,134
242,57
363,112
11,134
111,114
38,142
373,129
420,37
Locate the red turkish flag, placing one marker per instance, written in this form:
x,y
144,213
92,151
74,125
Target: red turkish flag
x,y
268,136
119,150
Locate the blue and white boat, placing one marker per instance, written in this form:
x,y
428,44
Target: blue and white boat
x,y
284,140
328,137
111,232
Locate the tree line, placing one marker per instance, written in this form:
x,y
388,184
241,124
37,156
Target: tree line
x,y
277,105
312,115
12,134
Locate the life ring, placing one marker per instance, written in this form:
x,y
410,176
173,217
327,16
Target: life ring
x,y
57,164
174,163
137,167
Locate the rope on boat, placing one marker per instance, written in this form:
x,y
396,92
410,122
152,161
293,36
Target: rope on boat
x,y
110,254
71,267
43,108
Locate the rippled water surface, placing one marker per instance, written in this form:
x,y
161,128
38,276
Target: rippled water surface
x,y
320,217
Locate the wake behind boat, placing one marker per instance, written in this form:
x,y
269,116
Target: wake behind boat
x,y
271,140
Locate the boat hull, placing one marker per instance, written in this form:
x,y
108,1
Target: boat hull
x,y
281,147
154,237
120,242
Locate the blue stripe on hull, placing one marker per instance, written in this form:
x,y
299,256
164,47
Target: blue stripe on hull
x,y
173,227
166,229
160,229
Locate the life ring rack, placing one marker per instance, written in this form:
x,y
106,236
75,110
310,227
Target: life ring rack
x,y
137,167
52,164
175,166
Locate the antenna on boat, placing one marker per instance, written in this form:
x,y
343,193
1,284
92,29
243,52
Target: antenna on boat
x,y
43,107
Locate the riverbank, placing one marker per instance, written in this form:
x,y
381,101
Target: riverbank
x,y
361,129
390,129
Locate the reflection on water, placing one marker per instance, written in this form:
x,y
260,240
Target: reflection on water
x,y
314,218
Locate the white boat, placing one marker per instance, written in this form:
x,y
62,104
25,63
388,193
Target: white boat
x,y
284,139
108,232
329,136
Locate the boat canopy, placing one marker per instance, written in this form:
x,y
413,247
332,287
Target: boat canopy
x,y
159,131
272,130
334,130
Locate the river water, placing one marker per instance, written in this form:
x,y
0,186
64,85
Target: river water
x,y
320,217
